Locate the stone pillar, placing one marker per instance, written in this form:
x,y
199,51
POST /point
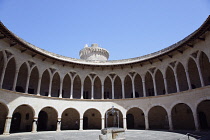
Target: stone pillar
x,y
59,124
2,75
34,127
188,80
7,126
124,124
81,124
92,91
166,85
177,83
50,87
39,85
72,88
146,122
200,75
154,84
15,80
102,123
81,91
112,89
133,88
170,122
102,91
27,82
61,89
123,89
144,88
195,116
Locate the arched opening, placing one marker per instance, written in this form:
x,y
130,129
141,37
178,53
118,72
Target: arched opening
x,y
109,121
9,74
47,119
97,88
117,88
181,76
205,68
158,118
193,74
87,88
203,111
135,119
182,117
1,63
33,82
138,86
107,88
149,84
55,85
77,88
159,83
44,90
66,86
70,119
128,87
22,78
22,119
92,119
3,116
170,78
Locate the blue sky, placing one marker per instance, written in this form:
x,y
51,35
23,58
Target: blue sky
x,y
126,28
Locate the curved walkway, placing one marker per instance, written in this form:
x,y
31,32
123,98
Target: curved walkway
x,y
94,135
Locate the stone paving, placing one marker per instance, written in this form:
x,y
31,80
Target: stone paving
x,y
94,135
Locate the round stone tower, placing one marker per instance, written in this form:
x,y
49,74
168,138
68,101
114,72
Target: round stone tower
x,y
94,52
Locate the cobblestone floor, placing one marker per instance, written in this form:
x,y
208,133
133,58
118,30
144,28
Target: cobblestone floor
x,y
94,135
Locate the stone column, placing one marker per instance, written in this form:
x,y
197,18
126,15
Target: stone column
x,y
102,91
92,91
170,122
123,89
146,122
59,124
188,80
39,85
165,84
124,124
15,80
102,123
195,116
50,87
133,88
7,126
2,75
81,124
34,127
177,83
144,88
200,75
112,89
27,82
61,89
72,88
81,91
154,84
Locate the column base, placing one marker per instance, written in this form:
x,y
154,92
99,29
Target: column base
x,y
33,131
6,133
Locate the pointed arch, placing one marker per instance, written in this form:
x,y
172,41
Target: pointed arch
x,y
128,87
9,74
181,77
44,90
138,86
2,63
55,89
22,78
160,87
107,88
66,86
193,74
170,78
87,88
97,88
77,87
33,81
117,88
205,68
149,84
